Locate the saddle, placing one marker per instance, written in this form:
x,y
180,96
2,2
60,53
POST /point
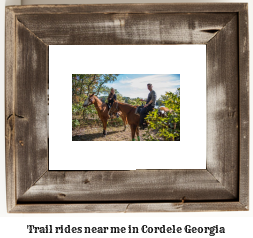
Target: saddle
x,y
162,111
138,110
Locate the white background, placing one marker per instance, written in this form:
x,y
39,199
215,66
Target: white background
x,y
188,153
238,224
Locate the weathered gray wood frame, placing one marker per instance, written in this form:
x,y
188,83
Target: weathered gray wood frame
x,y
222,186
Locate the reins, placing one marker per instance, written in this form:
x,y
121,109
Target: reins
x,y
100,107
117,106
114,109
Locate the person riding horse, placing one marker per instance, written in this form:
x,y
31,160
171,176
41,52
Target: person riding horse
x,y
111,98
150,104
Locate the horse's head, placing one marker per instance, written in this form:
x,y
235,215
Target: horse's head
x,y
90,100
114,108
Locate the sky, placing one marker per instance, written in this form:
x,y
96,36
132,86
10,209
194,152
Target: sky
x,y
135,85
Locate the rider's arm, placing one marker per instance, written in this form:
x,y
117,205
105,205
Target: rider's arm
x,y
148,103
153,98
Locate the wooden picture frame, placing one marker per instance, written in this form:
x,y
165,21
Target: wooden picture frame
x,y
222,186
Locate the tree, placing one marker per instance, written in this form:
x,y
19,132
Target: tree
x,y
85,84
119,96
136,101
159,102
126,99
103,98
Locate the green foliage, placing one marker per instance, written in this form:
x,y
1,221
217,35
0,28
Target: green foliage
x,y
126,99
103,98
85,84
168,127
159,102
172,101
75,123
135,101
77,108
89,111
115,122
85,112
119,96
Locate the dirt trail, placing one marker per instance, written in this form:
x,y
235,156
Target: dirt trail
x,y
95,134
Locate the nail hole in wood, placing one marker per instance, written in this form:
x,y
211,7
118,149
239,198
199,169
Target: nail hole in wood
x,y
86,181
61,195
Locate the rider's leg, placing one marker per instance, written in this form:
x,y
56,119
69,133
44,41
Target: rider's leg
x,y
143,114
108,108
149,108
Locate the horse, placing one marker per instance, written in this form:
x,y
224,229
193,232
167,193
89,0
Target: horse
x,y
132,118
102,111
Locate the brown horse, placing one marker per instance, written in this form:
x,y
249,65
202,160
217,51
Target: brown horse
x,y
102,111
132,118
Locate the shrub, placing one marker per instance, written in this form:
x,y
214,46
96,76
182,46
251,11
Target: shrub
x,y
75,123
168,127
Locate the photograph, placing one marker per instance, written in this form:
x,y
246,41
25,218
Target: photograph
x,y
125,107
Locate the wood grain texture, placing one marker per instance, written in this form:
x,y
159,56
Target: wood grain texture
x,y
139,185
223,186
223,107
118,29
30,108
244,106
155,8
10,65
186,207
129,207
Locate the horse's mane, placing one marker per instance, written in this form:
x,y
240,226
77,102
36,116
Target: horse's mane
x,y
99,100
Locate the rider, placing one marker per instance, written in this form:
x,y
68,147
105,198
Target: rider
x,y
111,98
150,104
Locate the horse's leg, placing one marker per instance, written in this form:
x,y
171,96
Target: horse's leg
x,y
124,120
132,132
137,132
104,127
